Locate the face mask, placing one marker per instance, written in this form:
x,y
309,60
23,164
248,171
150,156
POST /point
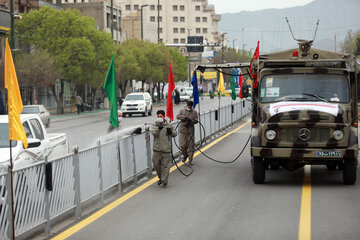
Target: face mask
x,y
188,109
159,120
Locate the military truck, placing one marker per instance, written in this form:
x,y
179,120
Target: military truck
x,y
304,111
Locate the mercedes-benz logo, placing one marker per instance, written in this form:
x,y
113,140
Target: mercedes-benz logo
x,y
304,134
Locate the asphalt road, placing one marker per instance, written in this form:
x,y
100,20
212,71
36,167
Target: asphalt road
x,y
220,201
83,130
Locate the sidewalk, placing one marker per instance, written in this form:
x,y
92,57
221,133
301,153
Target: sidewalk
x,y
69,115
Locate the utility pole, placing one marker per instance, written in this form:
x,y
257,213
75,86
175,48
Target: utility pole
x,y
12,42
335,40
142,27
158,18
243,51
234,43
222,47
112,18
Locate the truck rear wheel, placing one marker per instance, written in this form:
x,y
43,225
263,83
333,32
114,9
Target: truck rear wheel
x,y
258,170
349,171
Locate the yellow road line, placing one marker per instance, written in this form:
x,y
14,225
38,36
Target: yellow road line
x,y
67,233
305,211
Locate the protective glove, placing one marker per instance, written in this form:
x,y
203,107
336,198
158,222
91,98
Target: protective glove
x,y
160,126
187,119
168,131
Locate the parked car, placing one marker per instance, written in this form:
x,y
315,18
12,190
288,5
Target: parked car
x,y
39,110
184,97
52,145
189,91
137,103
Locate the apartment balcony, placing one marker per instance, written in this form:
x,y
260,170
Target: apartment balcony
x,y
216,17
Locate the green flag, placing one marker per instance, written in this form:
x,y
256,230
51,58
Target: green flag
x,y
111,92
232,85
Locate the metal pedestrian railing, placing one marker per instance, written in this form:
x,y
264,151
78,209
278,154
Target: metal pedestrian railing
x,y
85,175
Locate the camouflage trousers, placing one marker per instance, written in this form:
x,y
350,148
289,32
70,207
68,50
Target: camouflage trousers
x,y
187,145
161,161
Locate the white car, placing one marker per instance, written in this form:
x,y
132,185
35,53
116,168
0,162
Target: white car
x,y
189,91
52,145
40,110
137,103
184,97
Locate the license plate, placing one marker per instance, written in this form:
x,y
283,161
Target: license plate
x,y
328,154
132,108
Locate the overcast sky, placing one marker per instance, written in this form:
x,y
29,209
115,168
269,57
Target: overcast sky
x,y
231,6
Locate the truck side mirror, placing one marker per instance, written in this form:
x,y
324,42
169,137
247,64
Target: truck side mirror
x,y
33,143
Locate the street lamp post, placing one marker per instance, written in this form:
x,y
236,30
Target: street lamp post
x,y
234,43
244,44
222,47
142,27
112,18
158,21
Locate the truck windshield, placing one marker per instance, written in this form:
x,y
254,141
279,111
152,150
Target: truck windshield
x,y
4,136
304,87
134,97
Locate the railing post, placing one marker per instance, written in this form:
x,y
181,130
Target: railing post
x,y
148,153
210,133
47,202
100,174
8,203
134,159
77,183
119,161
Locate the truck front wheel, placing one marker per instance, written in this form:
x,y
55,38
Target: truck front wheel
x,y
258,170
349,171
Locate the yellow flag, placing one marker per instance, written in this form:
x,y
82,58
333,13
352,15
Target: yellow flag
x,y
221,86
15,106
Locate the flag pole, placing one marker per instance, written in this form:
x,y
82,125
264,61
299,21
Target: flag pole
x,y
12,194
219,96
200,121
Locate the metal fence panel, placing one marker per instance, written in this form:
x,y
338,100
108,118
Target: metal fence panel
x,y
110,164
4,225
89,173
63,194
127,165
29,193
140,152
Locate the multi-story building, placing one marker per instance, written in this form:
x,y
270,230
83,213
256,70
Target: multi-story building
x,y
177,19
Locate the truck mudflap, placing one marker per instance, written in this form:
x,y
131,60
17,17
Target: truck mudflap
x,y
309,153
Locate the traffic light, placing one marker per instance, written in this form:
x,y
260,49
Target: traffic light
x,y
195,40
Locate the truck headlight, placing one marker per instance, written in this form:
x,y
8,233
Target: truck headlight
x,y
338,135
270,134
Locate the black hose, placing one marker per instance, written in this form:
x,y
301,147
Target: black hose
x,y
203,140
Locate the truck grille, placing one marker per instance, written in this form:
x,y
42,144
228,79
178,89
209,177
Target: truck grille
x,y
316,134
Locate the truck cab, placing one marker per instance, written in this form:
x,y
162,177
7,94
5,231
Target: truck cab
x,y
304,112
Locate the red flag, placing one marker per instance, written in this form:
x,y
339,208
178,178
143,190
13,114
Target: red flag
x,y
255,57
171,87
241,79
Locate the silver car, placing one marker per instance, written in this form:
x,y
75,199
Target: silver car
x,y
39,110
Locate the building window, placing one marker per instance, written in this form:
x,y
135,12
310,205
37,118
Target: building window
x,y
128,7
136,7
152,7
198,30
175,19
182,30
176,40
183,40
175,7
204,19
161,40
152,19
182,8
182,19
160,30
160,19
159,7
197,8
197,19
204,30
175,30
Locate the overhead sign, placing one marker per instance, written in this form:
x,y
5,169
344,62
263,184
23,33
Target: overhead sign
x,y
4,20
206,75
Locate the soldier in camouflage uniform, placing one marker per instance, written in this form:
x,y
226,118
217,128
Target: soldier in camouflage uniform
x,y
188,118
162,131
